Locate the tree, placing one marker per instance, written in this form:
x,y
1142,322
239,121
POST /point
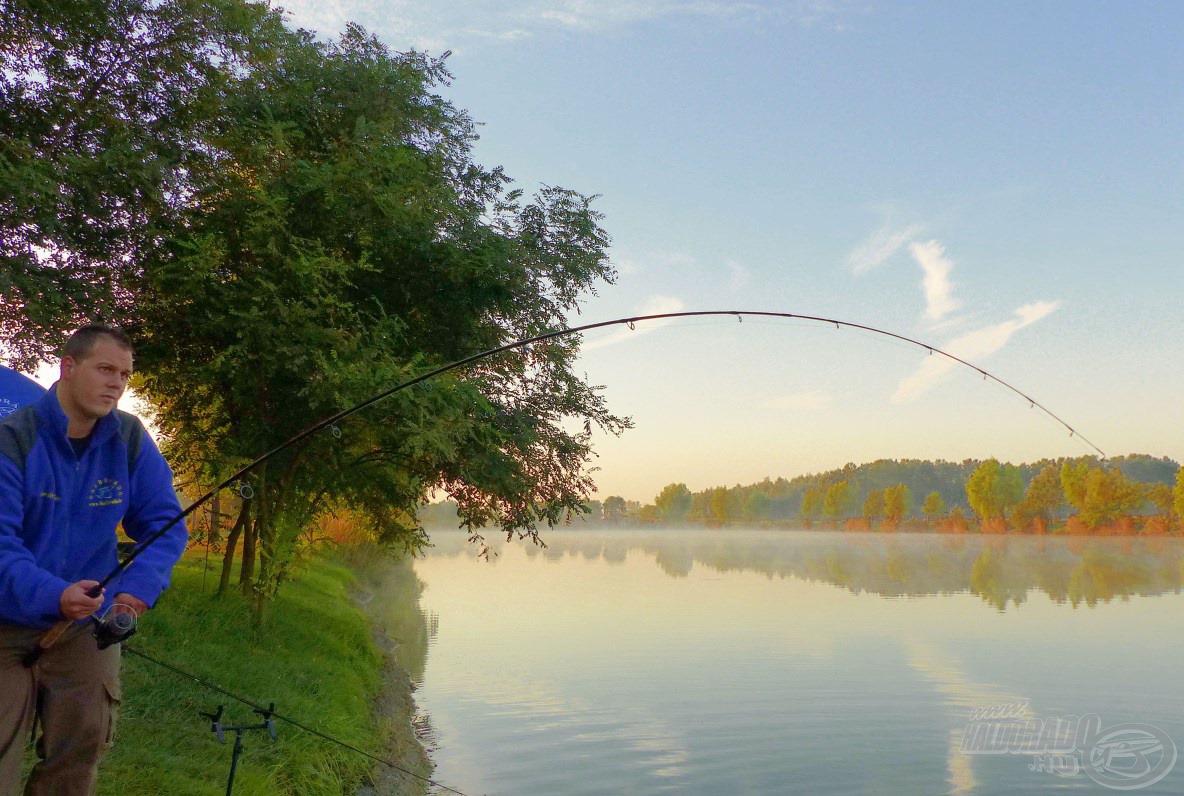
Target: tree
x,y
1043,498
811,507
1073,476
1161,497
673,502
898,502
614,509
717,504
333,239
873,505
1108,496
1178,494
104,106
756,506
933,506
837,501
994,489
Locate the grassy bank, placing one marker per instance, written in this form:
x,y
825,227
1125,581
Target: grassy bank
x,y
314,657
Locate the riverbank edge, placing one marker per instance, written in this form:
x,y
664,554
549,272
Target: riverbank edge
x,y
394,712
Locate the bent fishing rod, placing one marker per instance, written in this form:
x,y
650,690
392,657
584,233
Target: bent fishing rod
x,y
51,636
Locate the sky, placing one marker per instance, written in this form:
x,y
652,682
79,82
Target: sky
x,y
1001,180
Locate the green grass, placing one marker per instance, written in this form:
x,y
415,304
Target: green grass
x,y
313,657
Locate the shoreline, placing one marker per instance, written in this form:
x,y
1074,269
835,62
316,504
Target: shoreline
x,y
394,712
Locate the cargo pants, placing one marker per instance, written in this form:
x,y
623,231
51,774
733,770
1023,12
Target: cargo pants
x,y
73,690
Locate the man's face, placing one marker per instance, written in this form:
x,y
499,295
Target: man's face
x,y
96,382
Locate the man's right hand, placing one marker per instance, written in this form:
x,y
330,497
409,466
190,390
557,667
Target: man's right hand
x,y
75,603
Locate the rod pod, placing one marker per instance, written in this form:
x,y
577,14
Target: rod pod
x,y
220,733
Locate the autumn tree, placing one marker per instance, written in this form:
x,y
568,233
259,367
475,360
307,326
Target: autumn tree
x,y
934,505
1042,500
993,489
837,501
1108,496
898,502
811,507
1178,494
873,505
718,504
673,502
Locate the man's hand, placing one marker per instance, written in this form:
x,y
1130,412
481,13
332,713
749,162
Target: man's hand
x,y
135,603
75,603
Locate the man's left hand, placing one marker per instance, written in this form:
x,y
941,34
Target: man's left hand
x,y
135,603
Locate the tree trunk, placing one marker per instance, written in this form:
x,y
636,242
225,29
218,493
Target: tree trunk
x,y
244,515
246,575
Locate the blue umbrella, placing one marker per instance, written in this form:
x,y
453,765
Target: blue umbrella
x,y
16,390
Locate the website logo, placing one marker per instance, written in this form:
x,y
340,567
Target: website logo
x,y
1120,757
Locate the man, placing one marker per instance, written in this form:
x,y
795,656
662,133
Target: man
x,y
72,468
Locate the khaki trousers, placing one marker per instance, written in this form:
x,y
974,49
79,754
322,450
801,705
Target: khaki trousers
x,y
73,690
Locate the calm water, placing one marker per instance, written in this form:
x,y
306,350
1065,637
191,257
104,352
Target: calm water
x,y
714,662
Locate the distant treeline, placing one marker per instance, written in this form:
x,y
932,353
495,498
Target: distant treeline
x,y
1126,494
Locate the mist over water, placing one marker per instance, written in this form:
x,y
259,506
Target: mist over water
x,y
708,662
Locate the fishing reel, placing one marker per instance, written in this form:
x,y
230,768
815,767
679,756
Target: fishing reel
x,y
116,625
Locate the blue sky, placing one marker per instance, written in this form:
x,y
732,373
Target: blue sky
x,y
998,179
1002,180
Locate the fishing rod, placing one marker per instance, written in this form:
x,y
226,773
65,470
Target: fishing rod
x,y
52,636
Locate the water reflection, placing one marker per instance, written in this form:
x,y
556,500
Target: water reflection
x,y
1001,570
701,662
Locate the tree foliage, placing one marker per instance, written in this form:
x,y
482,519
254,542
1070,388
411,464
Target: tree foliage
x,y
104,107
873,505
898,502
838,500
1043,498
316,232
993,489
673,502
934,505
1178,494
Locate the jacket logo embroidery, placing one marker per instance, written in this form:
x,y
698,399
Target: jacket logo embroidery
x,y
50,496
7,407
105,492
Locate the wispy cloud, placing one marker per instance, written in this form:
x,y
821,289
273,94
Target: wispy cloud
x,y
800,402
654,305
880,247
971,347
939,300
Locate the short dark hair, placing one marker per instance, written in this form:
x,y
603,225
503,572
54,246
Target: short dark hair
x,y
83,340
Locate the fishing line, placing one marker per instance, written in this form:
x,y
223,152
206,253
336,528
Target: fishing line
x,y
323,736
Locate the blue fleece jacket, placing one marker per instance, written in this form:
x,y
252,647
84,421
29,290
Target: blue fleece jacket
x,y
16,390
59,511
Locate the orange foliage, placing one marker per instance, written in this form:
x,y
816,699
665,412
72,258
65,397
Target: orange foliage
x,y
1157,526
953,525
997,525
341,527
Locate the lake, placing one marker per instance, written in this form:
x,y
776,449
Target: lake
x,y
743,661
